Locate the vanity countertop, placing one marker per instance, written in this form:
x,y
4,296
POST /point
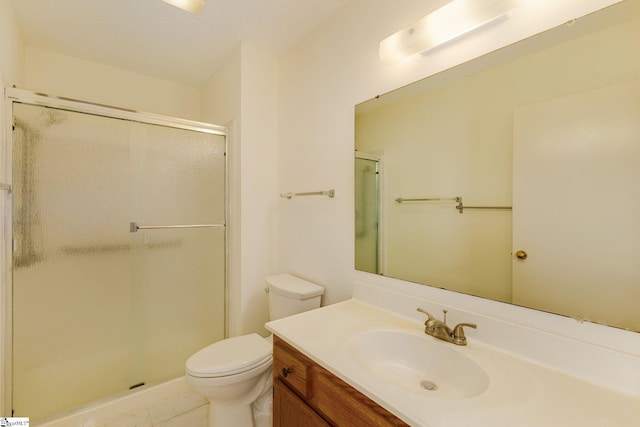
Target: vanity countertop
x,y
520,392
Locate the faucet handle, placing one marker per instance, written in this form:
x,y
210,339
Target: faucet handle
x,y
430,323
429,315
458,333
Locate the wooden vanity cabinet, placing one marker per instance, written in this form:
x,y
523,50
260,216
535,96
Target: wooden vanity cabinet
x,y
291,411
305,394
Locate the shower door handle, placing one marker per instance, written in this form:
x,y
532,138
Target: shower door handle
x,y
134,227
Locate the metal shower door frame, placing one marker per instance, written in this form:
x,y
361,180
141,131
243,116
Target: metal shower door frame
x,y
12,96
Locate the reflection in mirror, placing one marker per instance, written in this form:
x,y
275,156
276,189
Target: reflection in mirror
x,y
549,126
367,195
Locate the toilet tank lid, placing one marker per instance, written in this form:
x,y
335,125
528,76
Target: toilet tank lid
x,y
293,287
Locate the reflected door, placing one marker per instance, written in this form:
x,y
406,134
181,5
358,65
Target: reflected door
x,y
574,212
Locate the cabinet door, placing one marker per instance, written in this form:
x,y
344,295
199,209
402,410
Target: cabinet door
x,y
290,411
291,367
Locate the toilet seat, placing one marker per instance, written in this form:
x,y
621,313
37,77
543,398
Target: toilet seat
x,y
229,357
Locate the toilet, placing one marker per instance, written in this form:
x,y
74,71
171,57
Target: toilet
x,y
234,372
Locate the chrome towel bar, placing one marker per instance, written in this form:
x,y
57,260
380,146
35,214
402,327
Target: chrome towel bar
x,y
134,227
329,193
459,205
430,199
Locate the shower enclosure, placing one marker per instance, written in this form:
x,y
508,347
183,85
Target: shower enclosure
x,y
114,231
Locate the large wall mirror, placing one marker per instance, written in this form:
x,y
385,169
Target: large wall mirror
x,y
515,176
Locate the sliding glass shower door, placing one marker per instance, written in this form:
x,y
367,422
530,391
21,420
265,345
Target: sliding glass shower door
x,y
118,255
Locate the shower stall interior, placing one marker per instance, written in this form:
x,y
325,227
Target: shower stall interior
x,y
114,250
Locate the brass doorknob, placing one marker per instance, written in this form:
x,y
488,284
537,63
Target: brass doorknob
x,y
521,255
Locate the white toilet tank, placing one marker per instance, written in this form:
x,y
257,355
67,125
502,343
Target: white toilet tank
x,y
289,295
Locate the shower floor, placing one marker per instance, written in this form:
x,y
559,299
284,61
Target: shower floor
x,y
169,404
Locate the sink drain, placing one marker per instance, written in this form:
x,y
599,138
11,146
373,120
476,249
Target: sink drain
x,y
429,385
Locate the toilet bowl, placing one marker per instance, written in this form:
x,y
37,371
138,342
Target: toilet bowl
x,y
231,374
234,372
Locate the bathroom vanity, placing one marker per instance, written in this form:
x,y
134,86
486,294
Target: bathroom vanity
x,y
307,394
356,363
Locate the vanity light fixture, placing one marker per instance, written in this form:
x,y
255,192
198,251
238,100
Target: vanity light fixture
x,y
451,21
193,6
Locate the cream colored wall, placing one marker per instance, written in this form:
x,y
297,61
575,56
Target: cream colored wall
x,y
220,95
57,74
321,79
11,47
242,94
259,184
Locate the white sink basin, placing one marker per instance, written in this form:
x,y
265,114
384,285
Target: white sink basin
x,y
419,364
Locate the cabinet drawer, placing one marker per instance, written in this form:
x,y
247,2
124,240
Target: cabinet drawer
x,y
291,367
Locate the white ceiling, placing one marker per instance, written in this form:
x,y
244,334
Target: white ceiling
x,y
157,39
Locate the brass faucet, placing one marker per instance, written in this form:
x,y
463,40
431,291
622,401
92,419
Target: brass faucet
x,y
439,329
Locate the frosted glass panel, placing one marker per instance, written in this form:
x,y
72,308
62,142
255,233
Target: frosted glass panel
x,y
98,309
178,176
179,179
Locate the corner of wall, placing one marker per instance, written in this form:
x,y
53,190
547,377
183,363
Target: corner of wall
x,y
243,91
259,182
